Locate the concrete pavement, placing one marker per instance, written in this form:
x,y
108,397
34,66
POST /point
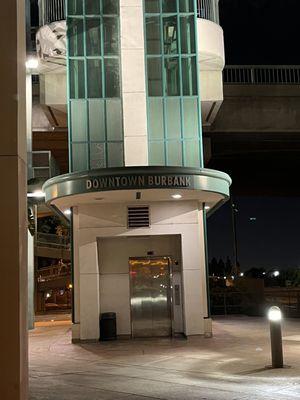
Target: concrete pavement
x,y
230,366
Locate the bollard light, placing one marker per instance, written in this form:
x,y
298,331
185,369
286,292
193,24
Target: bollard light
x,y
275,318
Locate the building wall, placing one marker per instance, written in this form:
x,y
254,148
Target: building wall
x,y
92,222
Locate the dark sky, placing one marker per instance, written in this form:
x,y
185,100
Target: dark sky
x,y
261,31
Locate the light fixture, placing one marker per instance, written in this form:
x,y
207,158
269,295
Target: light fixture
x,y
276,273
207,208
37,194
32,63
242,274
67,212
176,196
274,314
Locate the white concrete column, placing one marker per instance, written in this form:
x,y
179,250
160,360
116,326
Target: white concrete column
x,y
133,83
30,280
76,275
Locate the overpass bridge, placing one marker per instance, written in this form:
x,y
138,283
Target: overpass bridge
x,y
256,134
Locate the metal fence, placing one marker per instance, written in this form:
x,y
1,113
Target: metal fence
x,y
209,9
262,75
51,11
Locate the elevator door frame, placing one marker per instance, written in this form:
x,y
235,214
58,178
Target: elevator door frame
x,y
170,290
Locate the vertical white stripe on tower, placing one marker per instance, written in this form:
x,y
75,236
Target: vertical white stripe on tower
x,y
133,82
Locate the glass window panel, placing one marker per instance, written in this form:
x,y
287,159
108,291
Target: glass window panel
x,y
190,118
155,85
114,120
156,153
153,35
75,7
79,157
115,154
156,118
187,29
93,41
172,76
94,78
78,121
173,118
192,157
112,78
111,36
189,76
97,155
96,120
76,71
152,6
170,35
186,5
75,36
110,7
92,7
169,6
174,151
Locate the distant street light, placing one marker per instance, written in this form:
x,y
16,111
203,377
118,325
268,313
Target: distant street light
x,y
276,273
275,317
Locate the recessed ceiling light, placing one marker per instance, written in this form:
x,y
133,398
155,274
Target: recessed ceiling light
x,y
176,196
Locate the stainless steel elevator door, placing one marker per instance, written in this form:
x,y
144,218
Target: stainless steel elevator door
x,y
150,297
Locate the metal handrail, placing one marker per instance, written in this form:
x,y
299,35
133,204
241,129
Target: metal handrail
x,y
262,75
51,11
52,240
209,9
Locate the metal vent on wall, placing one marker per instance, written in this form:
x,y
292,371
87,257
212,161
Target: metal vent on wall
x,y
138,217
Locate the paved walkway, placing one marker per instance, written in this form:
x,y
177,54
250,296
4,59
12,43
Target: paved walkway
x,y
230,366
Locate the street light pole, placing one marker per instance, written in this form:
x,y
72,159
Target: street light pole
x,y
234,231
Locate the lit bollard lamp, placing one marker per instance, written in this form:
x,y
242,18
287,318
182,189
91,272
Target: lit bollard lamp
x,y
275,318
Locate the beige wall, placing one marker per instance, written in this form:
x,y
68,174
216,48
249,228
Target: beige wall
x,y
13,233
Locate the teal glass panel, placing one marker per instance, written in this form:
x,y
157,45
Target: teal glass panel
x,y
169,6
93,39
97,155
173,118
152,6
96,120
76,79
112,77
170,35
186,5
187,29
111,36
155,85
78,121
189,76
156,153
192,153
110,7
190,118
114,120
79,157
153,35
75,7
92,7
172,76
94,78
174,152
115,155
75,36
156,118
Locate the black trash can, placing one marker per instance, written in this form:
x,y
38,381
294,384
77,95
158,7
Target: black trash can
x,y
108,326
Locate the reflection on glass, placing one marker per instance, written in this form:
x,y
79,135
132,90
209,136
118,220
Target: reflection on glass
x,y
156,118
110,7
79,157
155,86
189,77
96,120
112,81
97,155
92,7
152,6
153,35
93,43
169,6
172,76
170,35
78,121
187,29
114,119
111,36
115,154
186,5
75,7
94,78
75,36
76,73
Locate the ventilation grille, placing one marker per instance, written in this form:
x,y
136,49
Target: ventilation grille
x,y
138,217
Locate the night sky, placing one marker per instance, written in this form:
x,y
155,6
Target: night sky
x,y
259,32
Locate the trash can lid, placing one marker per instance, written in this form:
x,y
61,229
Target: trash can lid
x,y
108,315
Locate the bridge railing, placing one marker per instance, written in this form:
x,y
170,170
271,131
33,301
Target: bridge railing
x,y
262,75
209,9
51,11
